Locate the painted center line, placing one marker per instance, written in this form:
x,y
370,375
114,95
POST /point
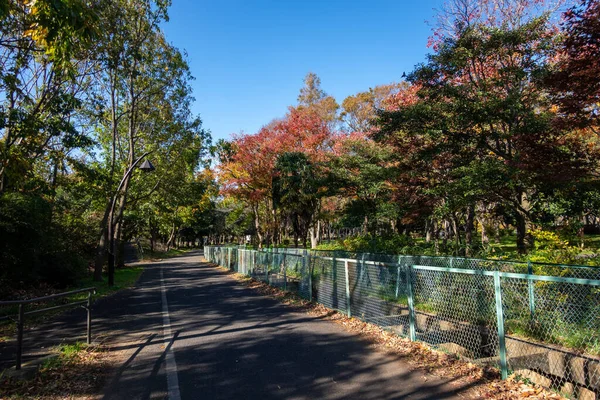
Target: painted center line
x,y
171,364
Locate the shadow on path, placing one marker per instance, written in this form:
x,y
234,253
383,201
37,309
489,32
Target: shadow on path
x,y
231,343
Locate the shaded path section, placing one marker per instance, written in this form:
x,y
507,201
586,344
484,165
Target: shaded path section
x,y
232,343
228,342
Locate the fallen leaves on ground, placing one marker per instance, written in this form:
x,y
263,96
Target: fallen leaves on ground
x,y
485,382
78,376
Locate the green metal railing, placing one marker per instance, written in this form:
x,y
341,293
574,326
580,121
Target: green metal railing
x,y
539,321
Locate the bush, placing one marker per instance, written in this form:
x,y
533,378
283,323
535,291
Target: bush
x,y
390,244
35,246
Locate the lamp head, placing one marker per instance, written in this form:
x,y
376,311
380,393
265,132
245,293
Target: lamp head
x,y
147,166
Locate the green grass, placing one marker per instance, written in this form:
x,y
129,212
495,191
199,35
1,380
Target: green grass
x,y
571,336
124,278
65,353
153,255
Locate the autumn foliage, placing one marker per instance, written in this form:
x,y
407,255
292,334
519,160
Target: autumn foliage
x,y
496,130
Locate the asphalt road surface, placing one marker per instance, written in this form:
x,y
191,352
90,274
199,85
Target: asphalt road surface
x,y
190,331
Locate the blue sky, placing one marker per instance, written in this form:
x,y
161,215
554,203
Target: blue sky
x,y
250,57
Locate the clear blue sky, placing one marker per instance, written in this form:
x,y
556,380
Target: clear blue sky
x,y
249,57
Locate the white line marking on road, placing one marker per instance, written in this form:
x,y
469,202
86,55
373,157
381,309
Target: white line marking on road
x,y
171,364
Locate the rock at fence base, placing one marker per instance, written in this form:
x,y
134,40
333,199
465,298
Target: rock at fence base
x,y
593,370
586,394
454,348
446,325
556,364
577,370
568,389
524,355
534,377
400,330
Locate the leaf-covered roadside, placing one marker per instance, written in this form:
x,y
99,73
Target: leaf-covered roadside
x,y
77,372
484,382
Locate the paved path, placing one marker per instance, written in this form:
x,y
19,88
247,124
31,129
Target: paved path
x,y
189,331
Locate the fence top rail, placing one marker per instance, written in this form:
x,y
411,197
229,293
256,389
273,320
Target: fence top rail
x,y
505,262
46,298
354,260
542,278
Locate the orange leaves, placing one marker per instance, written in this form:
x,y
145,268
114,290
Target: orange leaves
x,y
406,96
249,172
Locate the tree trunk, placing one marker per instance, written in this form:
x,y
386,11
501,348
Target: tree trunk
x,y
470,223
456,234
484,236
315,235
101,247
522,224
119,246
171,238
257,226
436,237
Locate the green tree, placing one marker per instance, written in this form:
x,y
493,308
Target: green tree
x,y
295,191
487,119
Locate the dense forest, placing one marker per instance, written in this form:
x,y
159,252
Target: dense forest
x,y
490,144
90,91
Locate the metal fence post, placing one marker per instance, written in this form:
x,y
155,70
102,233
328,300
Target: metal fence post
x,y
20,322
89,318
284,273
398,277
500,323
305,261
348,312
530,286
411,305
267,265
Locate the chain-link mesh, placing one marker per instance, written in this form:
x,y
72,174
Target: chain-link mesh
x,y
456,312
378,293
553,334
539,321
524,267
328,283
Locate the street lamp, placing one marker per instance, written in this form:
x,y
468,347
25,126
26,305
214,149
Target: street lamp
x,y
146,167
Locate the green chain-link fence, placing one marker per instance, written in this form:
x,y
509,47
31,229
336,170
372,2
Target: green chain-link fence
x,y
538,321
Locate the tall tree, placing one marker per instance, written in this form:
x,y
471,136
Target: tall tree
x,y
575,82
248,165
295,191
313,98
485,113
143,99
43,77
359,110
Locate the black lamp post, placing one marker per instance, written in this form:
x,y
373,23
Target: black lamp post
x,y
146,167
